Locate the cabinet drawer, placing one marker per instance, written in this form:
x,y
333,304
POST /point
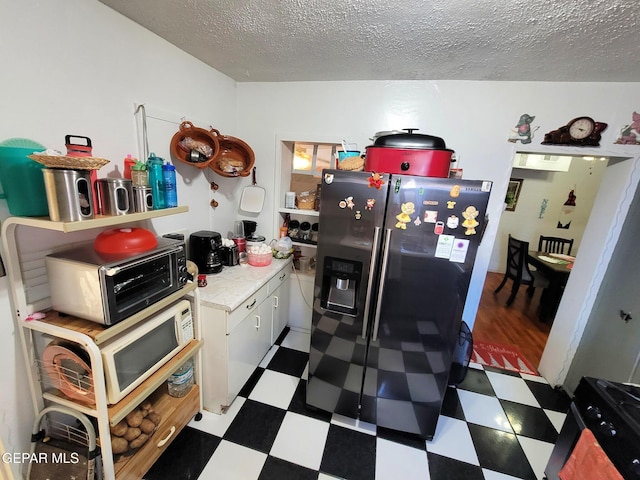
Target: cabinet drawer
x,y
278,279
247,307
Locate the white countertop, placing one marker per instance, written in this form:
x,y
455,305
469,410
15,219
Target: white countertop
x,y
228,289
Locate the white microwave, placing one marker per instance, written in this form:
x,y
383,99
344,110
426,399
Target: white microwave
x,y
134,355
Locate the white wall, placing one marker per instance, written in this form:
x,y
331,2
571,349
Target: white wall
x,y
77,67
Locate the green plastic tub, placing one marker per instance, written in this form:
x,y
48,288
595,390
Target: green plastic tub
x,y
21,178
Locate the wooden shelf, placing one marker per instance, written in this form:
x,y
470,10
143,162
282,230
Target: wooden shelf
x,y
101,333
121,409
299,211
98,222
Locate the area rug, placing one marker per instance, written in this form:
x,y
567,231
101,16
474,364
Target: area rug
x,y
506,357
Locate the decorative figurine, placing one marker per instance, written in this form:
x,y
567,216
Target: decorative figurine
x,y
523,131
630,134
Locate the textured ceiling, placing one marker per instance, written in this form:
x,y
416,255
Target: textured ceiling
x,y
297,40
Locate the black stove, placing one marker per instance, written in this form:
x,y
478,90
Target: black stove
x,y
612,412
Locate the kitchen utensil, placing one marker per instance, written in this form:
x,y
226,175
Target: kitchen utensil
x,y
125,240
236,157
69,194
68,370
190,138
22,180
203,251
252,199
249,228
115,196
255,240
238,229
409,153
260,259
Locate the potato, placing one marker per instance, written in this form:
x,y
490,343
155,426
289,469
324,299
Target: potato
x,y
154,417
146,407
132,433
147,426
134,419
119,445
120,429
138,442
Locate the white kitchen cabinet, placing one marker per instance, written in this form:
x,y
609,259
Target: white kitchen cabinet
x,y
300,301
235,343
26,241
238,334
279,296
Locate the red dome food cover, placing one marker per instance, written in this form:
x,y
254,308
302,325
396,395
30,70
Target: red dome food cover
x,y
125,241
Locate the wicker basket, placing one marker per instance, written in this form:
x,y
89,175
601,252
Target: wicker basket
x,y
74,163
190,138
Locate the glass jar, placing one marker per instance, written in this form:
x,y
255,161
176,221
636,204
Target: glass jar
x,y
140,178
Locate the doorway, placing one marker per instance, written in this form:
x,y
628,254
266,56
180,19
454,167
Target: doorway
x,y
537,211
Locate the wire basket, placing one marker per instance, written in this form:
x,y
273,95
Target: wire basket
x,y
70,451
75,163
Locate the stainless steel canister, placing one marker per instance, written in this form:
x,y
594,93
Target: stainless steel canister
x,y
115,196
142,198
69,194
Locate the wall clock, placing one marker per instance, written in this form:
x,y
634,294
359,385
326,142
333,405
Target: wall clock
x,y
581,131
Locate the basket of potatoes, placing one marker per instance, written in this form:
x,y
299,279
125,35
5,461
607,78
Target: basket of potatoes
x,y
134,430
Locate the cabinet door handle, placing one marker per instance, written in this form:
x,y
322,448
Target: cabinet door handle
x,y
251,306
281,277
276,303
257,322
162,442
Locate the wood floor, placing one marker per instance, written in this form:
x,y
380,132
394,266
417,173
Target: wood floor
x,y
516,325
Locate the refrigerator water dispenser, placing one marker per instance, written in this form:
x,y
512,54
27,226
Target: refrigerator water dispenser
x,y
340,285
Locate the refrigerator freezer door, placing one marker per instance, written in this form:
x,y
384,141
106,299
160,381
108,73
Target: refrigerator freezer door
x,y
429,256
351,217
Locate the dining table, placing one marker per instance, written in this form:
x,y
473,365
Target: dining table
x,y
556,267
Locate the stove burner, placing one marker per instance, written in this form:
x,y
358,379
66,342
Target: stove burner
x,y
626,397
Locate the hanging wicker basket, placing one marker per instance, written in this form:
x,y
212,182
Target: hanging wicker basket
x,y
236,158
195,146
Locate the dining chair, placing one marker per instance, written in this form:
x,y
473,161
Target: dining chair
x,y
555,244
518,270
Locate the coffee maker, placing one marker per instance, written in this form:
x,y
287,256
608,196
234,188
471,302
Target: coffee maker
x,y
204,251
250,233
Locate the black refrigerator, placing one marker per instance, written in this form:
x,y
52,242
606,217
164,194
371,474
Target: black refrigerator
x,y
394,260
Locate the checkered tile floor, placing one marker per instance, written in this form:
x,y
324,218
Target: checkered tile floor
x,y
497,425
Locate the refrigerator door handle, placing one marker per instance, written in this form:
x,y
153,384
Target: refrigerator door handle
x,y
383,273
372,268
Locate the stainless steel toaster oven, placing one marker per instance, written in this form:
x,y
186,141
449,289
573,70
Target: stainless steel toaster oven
x,y
108,289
